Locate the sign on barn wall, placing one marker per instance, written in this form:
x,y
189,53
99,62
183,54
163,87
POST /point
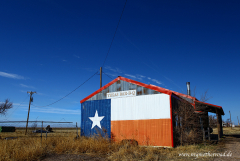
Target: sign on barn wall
x,y
129,93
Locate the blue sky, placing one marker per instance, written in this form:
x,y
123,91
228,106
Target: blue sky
x,y
52,47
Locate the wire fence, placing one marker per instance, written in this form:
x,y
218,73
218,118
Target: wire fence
x,y
42,129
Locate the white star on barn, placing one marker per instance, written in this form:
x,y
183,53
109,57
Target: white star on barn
x,y
96,120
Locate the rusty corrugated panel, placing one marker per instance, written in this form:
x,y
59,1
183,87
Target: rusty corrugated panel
x,y
104,92
121,85
132,86
139,90
125,85
118,84
113,87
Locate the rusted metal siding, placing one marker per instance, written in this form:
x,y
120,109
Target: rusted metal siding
x,y
121,85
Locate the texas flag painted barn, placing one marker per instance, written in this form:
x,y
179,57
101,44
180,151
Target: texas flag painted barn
x,y
127,109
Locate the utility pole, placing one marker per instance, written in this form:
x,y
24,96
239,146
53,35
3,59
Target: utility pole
x,y
100,77
230,119
31,99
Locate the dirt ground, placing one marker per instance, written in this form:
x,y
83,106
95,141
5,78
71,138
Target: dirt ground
x,y
232,146
71,157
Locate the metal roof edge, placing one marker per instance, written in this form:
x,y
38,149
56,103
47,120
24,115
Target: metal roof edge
x,y
184,95
209,104
100,89
153,87
216,106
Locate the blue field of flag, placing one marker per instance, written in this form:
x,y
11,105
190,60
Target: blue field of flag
x,y
96,118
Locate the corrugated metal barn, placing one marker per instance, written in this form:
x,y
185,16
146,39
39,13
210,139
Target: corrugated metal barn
x,y
127,109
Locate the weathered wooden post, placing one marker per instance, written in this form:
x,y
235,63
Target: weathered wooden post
x,y
204,136
41,132
219,126
209,135
77,130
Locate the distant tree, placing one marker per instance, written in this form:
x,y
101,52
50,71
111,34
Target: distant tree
x,y
212,121
34,125
205,97
228,122
4,106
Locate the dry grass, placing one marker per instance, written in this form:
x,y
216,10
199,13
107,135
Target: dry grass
x,y
228,130
31,148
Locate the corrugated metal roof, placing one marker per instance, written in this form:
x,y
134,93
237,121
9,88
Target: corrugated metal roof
x,y
121,85
203,106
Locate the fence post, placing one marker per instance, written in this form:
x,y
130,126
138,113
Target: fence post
x,y
77,130
204,136
41,132
209,135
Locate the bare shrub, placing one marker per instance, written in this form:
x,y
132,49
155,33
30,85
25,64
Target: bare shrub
x,y
187,128
212,121
34,125
4,106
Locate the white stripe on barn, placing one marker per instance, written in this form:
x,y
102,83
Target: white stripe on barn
x,y
156,106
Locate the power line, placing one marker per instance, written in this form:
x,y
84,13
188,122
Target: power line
x,y
114,33
70,92
62,119
107,75
97,71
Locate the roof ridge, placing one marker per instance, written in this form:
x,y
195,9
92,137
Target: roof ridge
x,y
149,86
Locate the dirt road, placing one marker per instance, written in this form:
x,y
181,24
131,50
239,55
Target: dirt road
x,y
232,146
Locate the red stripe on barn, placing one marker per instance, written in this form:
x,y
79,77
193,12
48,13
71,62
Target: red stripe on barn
x,y
155,132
